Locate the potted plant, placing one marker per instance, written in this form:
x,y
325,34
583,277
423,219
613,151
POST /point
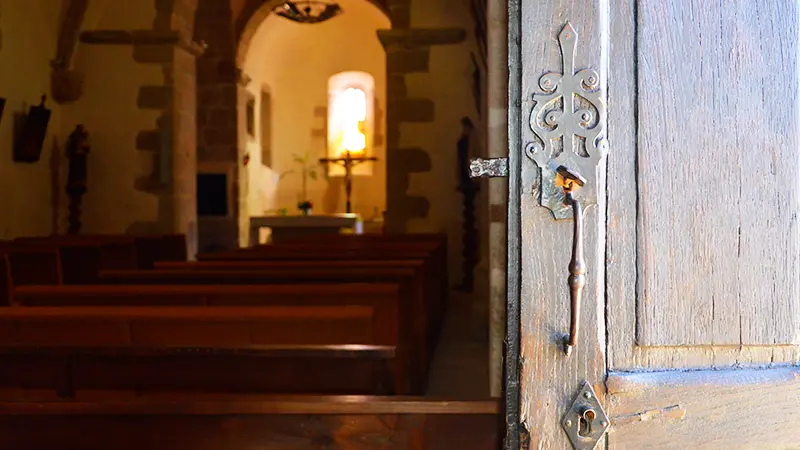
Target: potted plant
x,y
305,206
308,170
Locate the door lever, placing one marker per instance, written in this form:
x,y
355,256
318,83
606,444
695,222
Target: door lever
x,y
570,181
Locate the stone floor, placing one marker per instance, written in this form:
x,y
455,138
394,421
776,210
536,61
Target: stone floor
x,y
460,364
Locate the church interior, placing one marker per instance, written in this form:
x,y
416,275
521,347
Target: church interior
x,y
249,224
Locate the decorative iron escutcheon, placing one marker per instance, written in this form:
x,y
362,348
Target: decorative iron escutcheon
x,y
586,421
568,121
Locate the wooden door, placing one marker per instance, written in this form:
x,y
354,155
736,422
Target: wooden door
x,y
690,319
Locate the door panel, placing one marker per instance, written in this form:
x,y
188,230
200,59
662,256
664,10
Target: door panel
x,y
693,247
717,167
703,245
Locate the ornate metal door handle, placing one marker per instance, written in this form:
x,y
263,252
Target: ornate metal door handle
x,y
571,181
568,121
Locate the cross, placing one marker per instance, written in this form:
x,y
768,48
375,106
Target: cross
x,y
348,161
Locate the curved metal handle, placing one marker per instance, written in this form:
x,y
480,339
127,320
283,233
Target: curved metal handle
x,y
570,180
577,272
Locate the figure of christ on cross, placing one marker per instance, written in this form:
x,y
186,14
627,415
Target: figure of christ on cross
x,y
348,161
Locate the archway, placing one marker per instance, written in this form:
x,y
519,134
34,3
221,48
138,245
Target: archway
x,y
252,14
290,65
228,95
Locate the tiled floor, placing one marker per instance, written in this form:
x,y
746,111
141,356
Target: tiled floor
x,y
459,368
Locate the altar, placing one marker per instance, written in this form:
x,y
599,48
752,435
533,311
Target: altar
x,y
293,226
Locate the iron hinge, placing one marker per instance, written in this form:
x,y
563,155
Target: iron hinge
x,y
488,168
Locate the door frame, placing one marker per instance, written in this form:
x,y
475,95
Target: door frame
x,y
512,367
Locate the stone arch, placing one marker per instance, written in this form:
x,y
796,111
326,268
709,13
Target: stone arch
x,y
253,14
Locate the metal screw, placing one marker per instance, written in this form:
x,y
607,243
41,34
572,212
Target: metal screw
x,y
587,395
568,424
603,423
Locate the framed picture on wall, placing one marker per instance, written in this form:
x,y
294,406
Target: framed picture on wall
x,y
250,117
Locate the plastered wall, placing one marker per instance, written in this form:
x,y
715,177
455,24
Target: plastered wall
x,y
27,42
109,108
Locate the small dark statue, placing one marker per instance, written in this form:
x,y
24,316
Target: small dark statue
x,y
77,153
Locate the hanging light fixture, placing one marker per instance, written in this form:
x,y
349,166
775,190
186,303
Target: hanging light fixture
x,y
308,11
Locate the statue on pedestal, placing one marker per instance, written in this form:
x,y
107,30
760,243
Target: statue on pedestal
x,y
77,150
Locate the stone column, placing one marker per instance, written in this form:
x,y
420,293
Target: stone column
x,y
220,132
172,140
497,44
407,52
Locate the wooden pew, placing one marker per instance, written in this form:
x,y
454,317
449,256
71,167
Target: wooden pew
x,y
432,292
113,252
27,267
412,292
122,251
244,422
429,252
119,350
322,369
78,262
168,247
34,266
383,298
440,253
187,326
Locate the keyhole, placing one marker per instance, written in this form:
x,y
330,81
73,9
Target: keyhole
x,y
585,423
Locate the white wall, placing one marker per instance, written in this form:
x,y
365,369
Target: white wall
x,y
296,61
114,163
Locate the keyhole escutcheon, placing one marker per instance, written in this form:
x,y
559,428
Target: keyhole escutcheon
x,y
585,422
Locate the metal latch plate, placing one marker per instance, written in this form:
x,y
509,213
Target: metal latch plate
x,y
585,422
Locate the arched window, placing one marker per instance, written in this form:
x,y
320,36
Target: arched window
x,y
350,118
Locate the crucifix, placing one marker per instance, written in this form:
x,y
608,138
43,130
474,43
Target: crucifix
x,y
348,161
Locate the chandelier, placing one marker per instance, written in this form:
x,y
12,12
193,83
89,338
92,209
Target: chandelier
x,y
308,11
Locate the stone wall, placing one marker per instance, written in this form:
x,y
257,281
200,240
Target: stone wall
x,y
430,86
218,116
163,116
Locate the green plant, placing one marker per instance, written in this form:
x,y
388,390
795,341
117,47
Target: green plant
x,y
308,169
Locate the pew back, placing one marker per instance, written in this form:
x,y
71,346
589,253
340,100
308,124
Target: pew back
x,y
238,422
186,326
